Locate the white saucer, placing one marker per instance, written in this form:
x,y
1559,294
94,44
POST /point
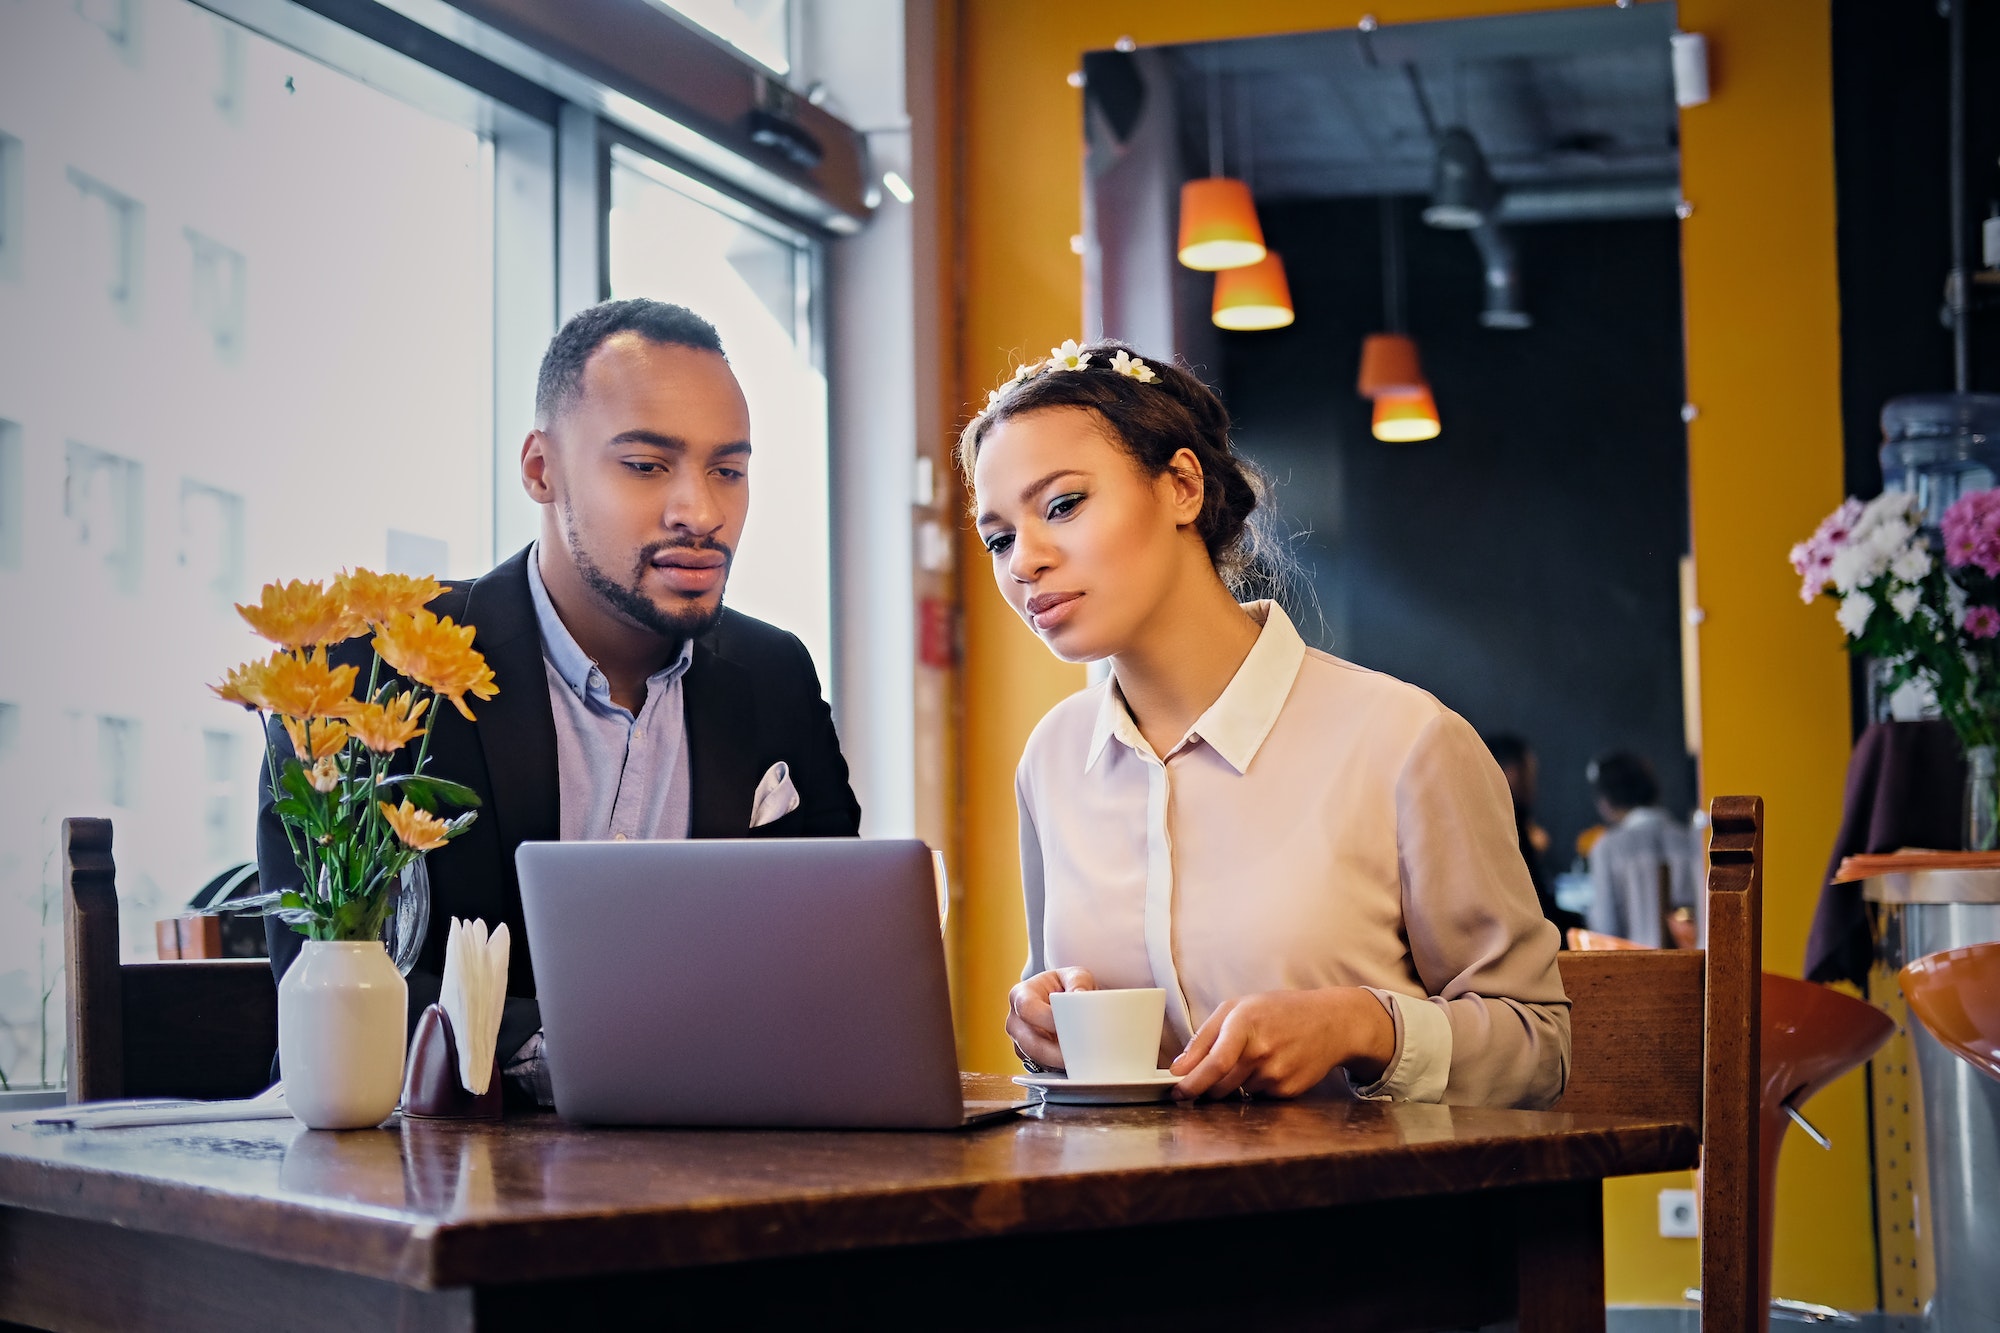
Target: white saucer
x,y
1059,1088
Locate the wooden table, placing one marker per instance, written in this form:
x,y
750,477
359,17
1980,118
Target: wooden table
x,y
1244,1215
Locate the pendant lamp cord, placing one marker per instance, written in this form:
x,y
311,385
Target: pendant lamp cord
x,y
1392,266
1961,330
1214,117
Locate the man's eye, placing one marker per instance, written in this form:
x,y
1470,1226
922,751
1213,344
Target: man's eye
x,y
998,543
1063,504
731,473
645,466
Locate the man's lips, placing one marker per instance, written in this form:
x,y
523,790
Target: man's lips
x,y
1049,609
691,572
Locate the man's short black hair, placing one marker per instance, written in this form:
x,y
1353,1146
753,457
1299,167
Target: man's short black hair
x,y
1624,780
561,380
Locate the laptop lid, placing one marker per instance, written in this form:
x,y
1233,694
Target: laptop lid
x,y
754,982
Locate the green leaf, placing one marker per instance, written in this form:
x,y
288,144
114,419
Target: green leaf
x,y
293,780
294,809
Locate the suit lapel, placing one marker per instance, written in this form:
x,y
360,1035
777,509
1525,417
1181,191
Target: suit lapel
x,y
517,727
722,765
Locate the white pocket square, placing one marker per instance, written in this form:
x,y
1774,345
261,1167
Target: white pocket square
x,y
776,797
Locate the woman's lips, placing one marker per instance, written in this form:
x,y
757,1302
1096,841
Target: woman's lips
x,y
1050,609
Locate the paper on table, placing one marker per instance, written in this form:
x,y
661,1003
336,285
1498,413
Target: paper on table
x,y
266,1105
474,989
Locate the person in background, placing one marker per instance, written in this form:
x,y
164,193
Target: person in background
x,y
1642,869
1517,764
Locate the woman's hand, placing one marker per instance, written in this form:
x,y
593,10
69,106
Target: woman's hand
x,y
1282,1043
1030,1020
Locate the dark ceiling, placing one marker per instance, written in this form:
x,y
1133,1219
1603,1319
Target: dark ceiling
x,y
1564,99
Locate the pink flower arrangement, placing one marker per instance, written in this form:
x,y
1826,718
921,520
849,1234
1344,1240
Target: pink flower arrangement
x,y
1982,622
1812,559
1971,530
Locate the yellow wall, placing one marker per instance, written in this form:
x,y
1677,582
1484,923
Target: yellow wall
x,y
1764,458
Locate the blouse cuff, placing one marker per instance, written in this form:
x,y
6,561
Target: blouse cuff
x,y
1422,1063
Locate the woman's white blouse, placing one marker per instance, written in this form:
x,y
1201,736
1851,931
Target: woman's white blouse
x,y
1319,825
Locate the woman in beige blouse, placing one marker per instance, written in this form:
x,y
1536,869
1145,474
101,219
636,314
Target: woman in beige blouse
x,y
1316,862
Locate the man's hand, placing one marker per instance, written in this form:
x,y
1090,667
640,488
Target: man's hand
x,y
1282,1043
1030,1020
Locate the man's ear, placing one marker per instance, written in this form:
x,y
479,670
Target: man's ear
x,y
537,466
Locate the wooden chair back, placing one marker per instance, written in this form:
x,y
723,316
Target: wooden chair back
x,y
205,1029
1674,1033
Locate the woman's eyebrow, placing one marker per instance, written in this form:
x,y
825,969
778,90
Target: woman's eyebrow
x,y
1028,492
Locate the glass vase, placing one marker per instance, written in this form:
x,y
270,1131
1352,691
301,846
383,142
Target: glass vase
x,y
1982,800
408,919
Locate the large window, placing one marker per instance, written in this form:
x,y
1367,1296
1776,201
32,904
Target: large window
x,y
272,299
246,332
675,240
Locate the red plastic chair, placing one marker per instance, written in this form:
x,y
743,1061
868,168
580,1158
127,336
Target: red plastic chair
x,y
1956,995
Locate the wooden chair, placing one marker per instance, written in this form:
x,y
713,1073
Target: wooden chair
x,y
1674,1033
175,1029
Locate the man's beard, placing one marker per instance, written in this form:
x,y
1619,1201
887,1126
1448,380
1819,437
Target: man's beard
x,y
689,622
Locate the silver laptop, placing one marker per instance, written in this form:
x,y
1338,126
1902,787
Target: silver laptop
x,y
760,982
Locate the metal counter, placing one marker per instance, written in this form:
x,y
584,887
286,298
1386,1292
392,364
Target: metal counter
x,y
1916,914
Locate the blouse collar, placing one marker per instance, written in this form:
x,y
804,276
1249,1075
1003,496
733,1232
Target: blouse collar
x,y
1235,725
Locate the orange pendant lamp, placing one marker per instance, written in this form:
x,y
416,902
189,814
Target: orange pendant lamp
x,y
1254,297
1389,365
1219,228
1405,418
1405,412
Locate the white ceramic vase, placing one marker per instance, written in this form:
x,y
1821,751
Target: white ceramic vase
x,y
341,1034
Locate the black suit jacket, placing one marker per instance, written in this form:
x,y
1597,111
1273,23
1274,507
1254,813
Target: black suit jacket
x,y
751,699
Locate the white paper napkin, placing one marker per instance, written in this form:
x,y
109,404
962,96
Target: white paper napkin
x,y
475,987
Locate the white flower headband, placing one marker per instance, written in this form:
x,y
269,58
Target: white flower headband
x,y
1071,357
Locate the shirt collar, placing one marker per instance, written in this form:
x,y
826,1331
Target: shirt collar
x,y
560,647
1236,724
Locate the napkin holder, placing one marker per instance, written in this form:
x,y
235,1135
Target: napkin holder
x,y
432,1089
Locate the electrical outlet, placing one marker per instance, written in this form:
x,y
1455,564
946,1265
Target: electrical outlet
x,y
1679,1216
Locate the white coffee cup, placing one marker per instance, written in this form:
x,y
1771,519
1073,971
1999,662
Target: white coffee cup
x,y
1109,1036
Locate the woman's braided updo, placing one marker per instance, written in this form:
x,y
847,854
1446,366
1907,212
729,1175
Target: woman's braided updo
x,y
1151,421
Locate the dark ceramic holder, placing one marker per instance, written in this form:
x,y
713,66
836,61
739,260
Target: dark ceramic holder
x,y
431,1088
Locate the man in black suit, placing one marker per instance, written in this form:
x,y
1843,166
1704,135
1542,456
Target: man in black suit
x,y
631,702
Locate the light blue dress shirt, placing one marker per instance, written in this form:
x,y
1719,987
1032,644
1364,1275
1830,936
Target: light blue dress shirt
x,y
621,777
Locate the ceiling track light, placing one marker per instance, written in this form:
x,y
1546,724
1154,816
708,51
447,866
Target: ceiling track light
x,y
1463,194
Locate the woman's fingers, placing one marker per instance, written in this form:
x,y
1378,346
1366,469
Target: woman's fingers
x,y
1221,1059
1073,978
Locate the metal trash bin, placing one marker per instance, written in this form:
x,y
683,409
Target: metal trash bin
x,y
1916,914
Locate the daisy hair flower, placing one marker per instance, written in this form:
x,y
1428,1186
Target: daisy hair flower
x,y
417,829
439,654
1126,364
375,598
1068,357
300,615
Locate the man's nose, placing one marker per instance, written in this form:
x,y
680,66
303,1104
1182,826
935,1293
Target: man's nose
x,y
692,508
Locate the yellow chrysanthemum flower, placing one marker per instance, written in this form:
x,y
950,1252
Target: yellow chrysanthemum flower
x,y
301,615
324,775
245,684
379,598
439,654
325,742
305,685
390,725
416,828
